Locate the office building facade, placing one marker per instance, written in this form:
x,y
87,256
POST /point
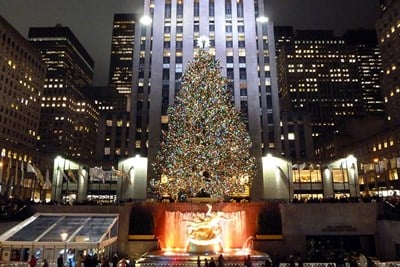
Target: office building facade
x,y
331,78
388,31
123,37
22,76
112,141
69,120
241,38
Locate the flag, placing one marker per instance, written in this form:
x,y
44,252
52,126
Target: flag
x,y
47,183
130,176
116,172
311,167
22,174
302,166
97,172
29,168
64,175
8,170
38,174
295,166
16,173
71,175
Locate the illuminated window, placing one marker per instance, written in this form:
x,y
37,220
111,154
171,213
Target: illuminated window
x,y
340,175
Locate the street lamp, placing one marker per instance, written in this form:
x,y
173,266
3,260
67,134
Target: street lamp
x,y
262,19
146,20
64,237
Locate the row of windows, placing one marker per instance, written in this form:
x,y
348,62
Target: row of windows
x,y
211,8
20,53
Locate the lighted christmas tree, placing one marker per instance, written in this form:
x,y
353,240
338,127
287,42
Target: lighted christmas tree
x,y
206,147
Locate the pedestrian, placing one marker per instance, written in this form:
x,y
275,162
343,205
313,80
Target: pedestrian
x,y
198,261
80,260
275,260
291,261
32,262
45,264
114,260
221,261
212,263
247,261
363,260
104,262
60,261
206,263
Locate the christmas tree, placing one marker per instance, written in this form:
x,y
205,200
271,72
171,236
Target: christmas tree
x,y
206,148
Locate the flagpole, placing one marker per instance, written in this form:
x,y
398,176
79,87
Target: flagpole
x,y
15,182
288,177
98,192
120,188
21,182
312,194
8,176
1,172
301,193
62,185
58,178
110,182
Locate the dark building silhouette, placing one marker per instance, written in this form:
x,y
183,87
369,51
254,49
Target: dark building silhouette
x,y
123,37
69,120
22,76
112,143
388,28
331,78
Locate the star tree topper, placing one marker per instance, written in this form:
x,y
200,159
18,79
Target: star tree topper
x,y
203,42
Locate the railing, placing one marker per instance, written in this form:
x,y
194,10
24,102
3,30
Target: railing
x,y
388,264
312,264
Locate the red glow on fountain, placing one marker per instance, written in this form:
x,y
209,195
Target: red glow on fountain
x,y
200,232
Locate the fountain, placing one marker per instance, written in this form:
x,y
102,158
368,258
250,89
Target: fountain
x,y
184,235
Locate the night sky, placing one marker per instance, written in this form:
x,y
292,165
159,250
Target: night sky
x,y
91,20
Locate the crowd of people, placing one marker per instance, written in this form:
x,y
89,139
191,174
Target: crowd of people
x,y
342,199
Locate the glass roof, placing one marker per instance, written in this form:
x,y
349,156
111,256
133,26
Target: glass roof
x,y
76,228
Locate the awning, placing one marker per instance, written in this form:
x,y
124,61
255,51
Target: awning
x,y
55,230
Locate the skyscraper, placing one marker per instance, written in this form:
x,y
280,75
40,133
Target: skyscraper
x,y
365,44
240,37
331,78
123,36
22,75
68,123
388,29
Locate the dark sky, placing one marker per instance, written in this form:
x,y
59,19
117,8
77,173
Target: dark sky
x,y
91,20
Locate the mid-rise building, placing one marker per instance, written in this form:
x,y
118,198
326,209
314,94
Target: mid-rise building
x,y
112,142
22,76
69,120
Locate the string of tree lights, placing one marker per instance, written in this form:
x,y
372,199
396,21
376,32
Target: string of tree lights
x,y
206,148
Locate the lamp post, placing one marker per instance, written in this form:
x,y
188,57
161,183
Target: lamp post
x,y
64,237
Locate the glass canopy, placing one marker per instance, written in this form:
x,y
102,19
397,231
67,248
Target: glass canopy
x,y
57,229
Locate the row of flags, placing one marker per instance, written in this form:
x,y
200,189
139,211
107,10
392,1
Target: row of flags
x,y
19,175
97,173
20,168
124,173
